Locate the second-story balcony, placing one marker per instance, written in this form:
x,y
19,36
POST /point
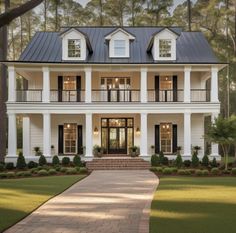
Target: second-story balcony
x,y
113,95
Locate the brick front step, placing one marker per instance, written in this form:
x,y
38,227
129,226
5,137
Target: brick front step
x,y
114,163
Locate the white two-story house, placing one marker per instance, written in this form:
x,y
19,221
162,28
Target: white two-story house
x,y
149,87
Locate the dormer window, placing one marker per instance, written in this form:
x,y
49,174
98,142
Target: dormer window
x,y
119,43
164,48
74,48
119,48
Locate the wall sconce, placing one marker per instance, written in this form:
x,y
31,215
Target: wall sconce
x,y
95,131
138,131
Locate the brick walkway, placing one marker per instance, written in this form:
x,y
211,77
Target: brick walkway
x,y
104,202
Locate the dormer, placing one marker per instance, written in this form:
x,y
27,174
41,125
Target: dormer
x,y
163,45
75,45
119,43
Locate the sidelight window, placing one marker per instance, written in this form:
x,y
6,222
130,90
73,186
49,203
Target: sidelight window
x,y
70,139
166,137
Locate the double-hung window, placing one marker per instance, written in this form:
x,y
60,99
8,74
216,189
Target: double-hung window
x,y
164,48
74,48
119,48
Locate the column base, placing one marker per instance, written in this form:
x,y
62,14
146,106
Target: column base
x,y
186,157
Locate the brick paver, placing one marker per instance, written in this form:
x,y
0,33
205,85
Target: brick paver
x,y
104,202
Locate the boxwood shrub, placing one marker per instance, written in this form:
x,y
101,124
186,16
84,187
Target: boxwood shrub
x,y
83,170
20,163
42,172
155,161
19,174
2,167
71,171
11,174
167,171
159,169
32,164
65,161
77,161
199,172
153,169
42,160
215,171
178,161
205,172
205,160
9,166
63,169
27,174
3,175
187,163
233,171
52,171
55,160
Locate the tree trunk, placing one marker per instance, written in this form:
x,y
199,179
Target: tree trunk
x,y
45,15
3,84
21,35
189,15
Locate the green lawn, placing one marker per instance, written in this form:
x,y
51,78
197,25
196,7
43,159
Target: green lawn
x,y
19,197
194,205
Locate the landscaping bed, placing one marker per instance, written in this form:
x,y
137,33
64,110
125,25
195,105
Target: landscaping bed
x,y
42,168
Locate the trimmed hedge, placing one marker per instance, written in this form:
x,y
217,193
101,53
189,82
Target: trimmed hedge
x,y
83,170
71,171
2,167
65,161
10,174
42,160
178,161
195,160
52,171
215,171
167,171
32,164
77,161
155,161
233,171
205,161
9,166
20,163
199,172
55,160
43,173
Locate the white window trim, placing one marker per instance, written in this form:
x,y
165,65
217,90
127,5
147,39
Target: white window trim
x,y
125,47
76,139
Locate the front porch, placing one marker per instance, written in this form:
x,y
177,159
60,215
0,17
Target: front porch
x,y
70,134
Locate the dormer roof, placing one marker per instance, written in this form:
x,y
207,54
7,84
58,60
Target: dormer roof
x,y
116,30
68,30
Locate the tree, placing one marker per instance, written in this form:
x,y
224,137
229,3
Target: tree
x,y
5,19
223,132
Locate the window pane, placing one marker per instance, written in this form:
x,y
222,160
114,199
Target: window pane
x,y
165,48
166,137
119,47
70,138
74,48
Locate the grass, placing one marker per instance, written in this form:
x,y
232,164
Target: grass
x,y
194,205
19,197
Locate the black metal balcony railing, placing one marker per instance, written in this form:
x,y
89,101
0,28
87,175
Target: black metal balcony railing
x,y
116,95
33,95
67,96
113,95
166,95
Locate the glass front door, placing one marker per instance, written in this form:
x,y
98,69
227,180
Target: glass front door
x,y
117,135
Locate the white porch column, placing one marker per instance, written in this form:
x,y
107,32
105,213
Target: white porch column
x,y
88,85
89,135
12,136
46,85
214,146
187,84
143,85
187,134
26,137
214,84
46,134
11,84
143,136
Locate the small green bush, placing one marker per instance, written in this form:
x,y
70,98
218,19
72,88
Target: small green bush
x,y
46,167
215,171
83,170
187,163
191,170
178,161
71,171
233,171
52,171
159,169
65,161
195,160
199,172
77,168
19,174
167,171
165,161
214,163
58,168
20,163
174,169
155,161
32,164
2,167
153,169
3,175
205,161
161,157
205,172
226,172
55,160
11,174
27,174
63,169
183,172
77,161
42,160
9,166
42,172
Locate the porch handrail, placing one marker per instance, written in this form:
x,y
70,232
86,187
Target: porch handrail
x,y
67,95
28,95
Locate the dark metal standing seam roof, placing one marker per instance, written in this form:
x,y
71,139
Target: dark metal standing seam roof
x,y
191,47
